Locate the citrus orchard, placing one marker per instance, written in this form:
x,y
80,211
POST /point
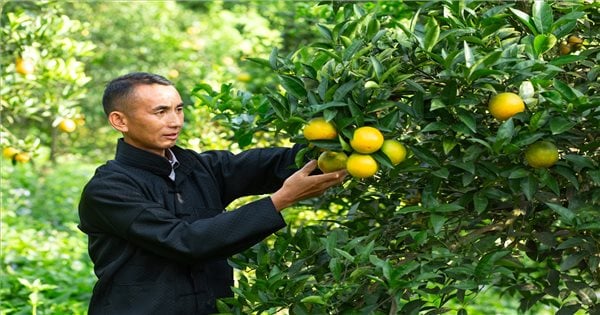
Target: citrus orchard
x,y
505,105
366,140
331,161
394,150
542,154
361,165
319,129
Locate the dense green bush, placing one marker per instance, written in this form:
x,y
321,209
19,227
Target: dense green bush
x,y
45,266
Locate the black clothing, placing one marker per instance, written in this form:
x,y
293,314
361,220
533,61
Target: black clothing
x,y
161,246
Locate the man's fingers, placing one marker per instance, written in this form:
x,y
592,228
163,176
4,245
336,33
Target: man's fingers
x,y
309,167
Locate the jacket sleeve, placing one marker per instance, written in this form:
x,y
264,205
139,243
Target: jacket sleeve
x,y
114,205
252,172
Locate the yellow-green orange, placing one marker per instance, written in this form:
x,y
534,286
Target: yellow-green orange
x,y
331,161
22,157
366,140
67,125
361,165
394,150
319,129
24,66
542,154
505,105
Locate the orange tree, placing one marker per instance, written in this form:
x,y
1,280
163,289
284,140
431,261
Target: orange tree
x,y
465,214
43,77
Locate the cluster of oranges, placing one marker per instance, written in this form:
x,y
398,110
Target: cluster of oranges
x,y
16,155
541,154
365,141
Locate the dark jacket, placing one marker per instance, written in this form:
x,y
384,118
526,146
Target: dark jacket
x,y
161,247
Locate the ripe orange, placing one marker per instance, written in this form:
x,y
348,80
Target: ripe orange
x,y
542,154
331,161
319,129
505,105
9,152
22,157
394,150
361,165
24,66
366,140
67,125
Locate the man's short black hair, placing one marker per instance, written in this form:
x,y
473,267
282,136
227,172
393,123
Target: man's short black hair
x,y
119,89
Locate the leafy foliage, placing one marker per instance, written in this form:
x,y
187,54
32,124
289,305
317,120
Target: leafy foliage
x,y
465,213
35,97
45,267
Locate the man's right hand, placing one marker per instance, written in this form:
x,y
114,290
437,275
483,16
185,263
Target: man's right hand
x,y
301,185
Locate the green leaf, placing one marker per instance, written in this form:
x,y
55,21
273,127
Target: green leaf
x,y
568,174
352,50
468,119
432,34
425,156
314,299
525,19
293,85
529,186
341,92
572,261
448,144
377,67
480,202
506,130
345,254
566,214
580,161
542,16
543,43
273,58
539,119
565,90
325,31
559,125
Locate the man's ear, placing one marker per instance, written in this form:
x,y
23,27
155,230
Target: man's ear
x,y
118,121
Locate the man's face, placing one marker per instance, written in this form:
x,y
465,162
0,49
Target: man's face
x,y
153,118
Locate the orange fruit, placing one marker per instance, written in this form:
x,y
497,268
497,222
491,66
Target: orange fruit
x,y
542,154
319,129
505,105
67,125
331,161
24,66
574,39
565,48
9,152
173,74
394,150
361,165
366,140
244,77
22,157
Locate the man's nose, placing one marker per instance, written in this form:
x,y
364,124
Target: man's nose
x,y
175,119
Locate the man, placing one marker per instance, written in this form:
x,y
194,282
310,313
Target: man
x,y
159,236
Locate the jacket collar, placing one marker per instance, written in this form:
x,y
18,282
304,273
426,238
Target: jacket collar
x,y
132,156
